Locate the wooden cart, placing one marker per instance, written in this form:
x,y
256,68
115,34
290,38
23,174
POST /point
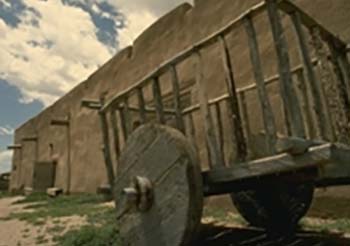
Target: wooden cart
x,y
168,156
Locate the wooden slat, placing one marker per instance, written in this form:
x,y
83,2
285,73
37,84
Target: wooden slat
x,y
215,158
342,111
177,99
106,148
269,121
125,119
142,105
305,103
158,101
114,123
329,98
245,120
315,86
262,168
191,129
290,100
241,145
307,20
220,128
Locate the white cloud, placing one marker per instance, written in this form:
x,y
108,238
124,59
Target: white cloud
x,y
6,131
47,61
140,14
55,45
5,161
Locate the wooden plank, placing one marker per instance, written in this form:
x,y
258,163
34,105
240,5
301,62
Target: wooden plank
x,y
142,105
241,145
191,130
260,169
215,158
295,145
220,128
314,85
114,123
306,107
329,98
106,148
341,107
290,100
125,119
158,101
268,117
245,120
289,7
177,99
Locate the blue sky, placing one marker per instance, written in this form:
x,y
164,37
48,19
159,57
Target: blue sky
x,y
49,46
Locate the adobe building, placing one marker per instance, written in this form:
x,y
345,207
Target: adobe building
x,y
62,146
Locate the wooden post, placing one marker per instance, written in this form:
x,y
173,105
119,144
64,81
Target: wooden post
x,y
290,100
303,91
191,130
125,118
342,113
142,105
106,147
268,117
329,96
241,145
216,160
158,101
220,129
245,119
314,84
177,99
114,123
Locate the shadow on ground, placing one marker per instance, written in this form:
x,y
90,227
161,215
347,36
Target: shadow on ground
x,y
212,235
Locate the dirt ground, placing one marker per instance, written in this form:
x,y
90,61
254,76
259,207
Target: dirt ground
x,y
324,225
14,232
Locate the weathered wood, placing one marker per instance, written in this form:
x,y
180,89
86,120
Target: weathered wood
x,y
191,130
342,105
115,128
124,113
14,147
289,98
265,168
305,104
142,105
245,120
215,158
328,90
308,21
92,104
237,129
177,99
220,129
314,85
294,145
164,157
106,148
268,118
209,40
158,101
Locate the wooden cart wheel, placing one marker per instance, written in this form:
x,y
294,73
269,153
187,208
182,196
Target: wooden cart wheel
x,y
158,190
275,207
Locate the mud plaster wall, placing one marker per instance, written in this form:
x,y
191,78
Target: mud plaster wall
x,y
171,34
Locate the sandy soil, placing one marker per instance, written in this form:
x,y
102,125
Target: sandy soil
x,y
18,233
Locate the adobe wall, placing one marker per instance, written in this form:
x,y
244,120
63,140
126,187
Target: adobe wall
x,y
171,34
